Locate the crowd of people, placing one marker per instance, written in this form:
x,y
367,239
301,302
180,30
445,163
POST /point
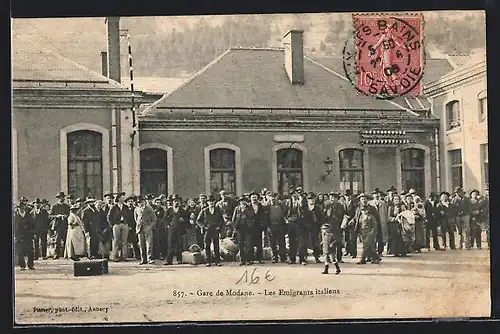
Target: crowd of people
x,y
148,228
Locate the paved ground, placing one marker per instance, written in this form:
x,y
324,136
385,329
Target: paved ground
x,y
430,284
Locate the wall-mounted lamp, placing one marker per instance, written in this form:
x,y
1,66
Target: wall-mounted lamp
x,y
328,166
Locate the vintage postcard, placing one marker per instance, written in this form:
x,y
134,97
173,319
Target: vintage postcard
x,y
250,167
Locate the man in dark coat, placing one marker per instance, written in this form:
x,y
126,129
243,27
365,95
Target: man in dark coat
x,y
91,226
210,221
259,225
58,215
277,228
314,219
242,222
160,233
176,218
463,210
24,229
334,214
118,218
431,215
350,211
477,217
297,229
42,222
133,240
446,218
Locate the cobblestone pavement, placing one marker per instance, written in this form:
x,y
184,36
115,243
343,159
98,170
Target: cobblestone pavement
x,y
430,284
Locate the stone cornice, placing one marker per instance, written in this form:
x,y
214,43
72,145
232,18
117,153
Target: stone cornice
x,y
285,123
48,98
457,78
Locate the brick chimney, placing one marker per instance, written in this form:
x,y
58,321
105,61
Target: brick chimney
x,y
293,42
113,32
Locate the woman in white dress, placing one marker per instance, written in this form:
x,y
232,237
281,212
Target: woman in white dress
x,y
76,245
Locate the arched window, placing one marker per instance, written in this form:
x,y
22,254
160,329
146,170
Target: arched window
x,y
222,170
413,170
289,168
351,170
85,163
452,115
483,105
154,171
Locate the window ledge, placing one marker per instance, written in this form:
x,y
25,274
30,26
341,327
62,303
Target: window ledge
x,y
454,130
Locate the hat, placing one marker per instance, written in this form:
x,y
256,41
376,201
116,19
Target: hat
x,y
150,197
61,195
202,195
392,189
403,192
139,198
263,191
362,195
433,194
211,198
45,201
108,195
458,189
411,191
291,189
74,207
254,193
376,191
70,197
222,192
177,197
79,200
162,196
311,195
299,188
37,201
334,194
242,199
444,193
89,199
129,198
274,194
348,192
474,191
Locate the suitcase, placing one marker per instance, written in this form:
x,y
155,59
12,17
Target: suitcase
x,y
191,257
90,268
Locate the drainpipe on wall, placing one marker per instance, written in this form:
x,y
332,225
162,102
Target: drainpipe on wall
x,y
438,160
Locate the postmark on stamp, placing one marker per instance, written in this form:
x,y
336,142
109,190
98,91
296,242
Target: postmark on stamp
x,y
385,55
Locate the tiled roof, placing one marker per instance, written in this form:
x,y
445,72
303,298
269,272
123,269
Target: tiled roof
x,y
152,85
32,63
256,78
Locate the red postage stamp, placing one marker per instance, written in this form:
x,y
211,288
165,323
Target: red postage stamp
x,y
389,54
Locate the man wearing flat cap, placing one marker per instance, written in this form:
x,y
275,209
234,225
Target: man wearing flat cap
x,y
242,222
334,215
463,208
259,224
210,221
226,206
59,213
109,202
176,220
117,218
91,226
365,223
41,221
351,205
